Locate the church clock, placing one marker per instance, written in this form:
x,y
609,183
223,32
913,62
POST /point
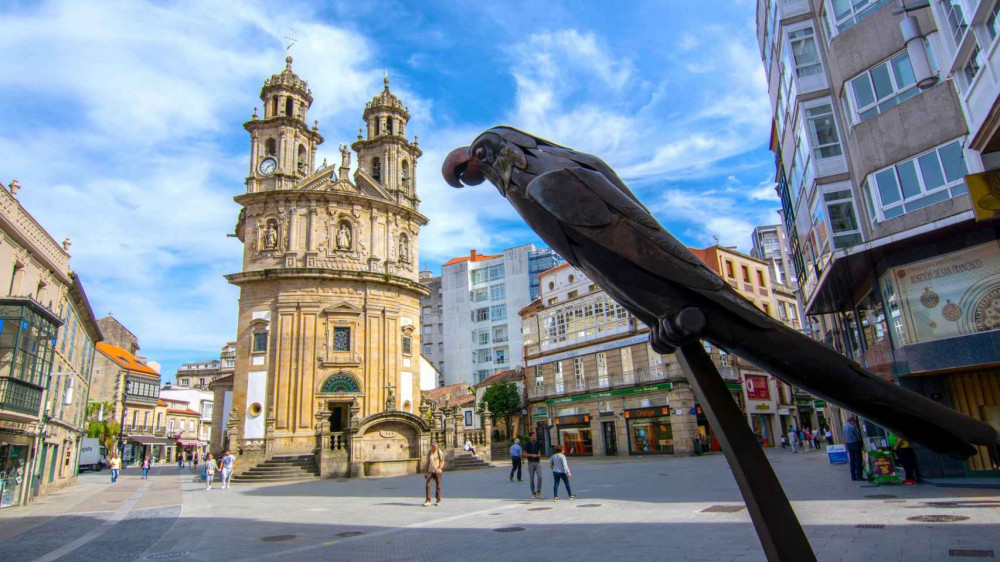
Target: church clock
x,y
267,166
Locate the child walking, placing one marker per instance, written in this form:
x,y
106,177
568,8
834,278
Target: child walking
x,y
560,471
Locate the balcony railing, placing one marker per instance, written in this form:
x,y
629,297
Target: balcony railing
x,y
599,383
19,396
130,429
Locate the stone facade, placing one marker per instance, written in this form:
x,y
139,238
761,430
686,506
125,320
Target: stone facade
x,y
329,292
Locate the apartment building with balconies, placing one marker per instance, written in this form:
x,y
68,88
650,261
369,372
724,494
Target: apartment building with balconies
x,y
481,294
884,119
432,323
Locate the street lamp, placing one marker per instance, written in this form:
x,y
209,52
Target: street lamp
x,y
121,428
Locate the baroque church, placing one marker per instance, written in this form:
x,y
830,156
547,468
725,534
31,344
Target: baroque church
x,y
327,358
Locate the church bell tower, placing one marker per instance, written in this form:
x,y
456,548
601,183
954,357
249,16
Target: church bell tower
x,y
282,146
385,157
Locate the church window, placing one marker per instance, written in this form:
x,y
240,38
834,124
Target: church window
x,y
270,147
341,339
301,164
388,126
405,177
289,106
341,382
377,169
407,345
274,105
376,127
259,342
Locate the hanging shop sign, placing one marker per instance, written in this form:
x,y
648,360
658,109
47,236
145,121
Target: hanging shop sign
x,y
757,387
573,420
984,191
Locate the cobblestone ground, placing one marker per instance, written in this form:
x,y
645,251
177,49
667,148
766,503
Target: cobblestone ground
x,y
645,508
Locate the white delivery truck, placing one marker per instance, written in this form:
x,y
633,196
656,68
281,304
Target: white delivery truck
x,y
92,455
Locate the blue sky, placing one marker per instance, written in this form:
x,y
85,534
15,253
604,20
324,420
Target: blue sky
x,y
123,124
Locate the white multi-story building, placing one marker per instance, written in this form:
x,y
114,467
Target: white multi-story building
x,y
770,243
482,295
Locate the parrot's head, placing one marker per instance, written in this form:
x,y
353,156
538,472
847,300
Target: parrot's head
x,y
499,155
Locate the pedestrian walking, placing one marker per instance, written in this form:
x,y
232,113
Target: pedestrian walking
x,y
908,459
145,468
560,471
115,464
515,460
469,447
180,461
226,465
434,470
793,439
209,471
784,442
816,437
808,438
803,443
852,439
533,452
829,437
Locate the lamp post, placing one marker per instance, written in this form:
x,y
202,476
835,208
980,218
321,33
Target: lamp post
x,y
121,428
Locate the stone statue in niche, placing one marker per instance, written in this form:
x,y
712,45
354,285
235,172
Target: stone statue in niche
x,y
271,237
344,237
404,249
345,156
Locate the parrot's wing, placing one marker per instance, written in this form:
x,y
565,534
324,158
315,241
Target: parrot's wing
x,y
584,198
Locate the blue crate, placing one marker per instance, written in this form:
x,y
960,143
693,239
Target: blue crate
x,y
837,454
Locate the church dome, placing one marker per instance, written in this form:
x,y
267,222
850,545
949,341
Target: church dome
x,y
386,101
286,81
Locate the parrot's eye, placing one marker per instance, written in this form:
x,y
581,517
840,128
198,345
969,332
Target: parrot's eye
x,y
479,153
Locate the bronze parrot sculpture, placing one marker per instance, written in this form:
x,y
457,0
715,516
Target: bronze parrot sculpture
x,y
582,210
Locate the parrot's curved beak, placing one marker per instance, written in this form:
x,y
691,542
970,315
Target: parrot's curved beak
x,y
460,169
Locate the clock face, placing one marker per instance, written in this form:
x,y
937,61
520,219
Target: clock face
x,y
267,166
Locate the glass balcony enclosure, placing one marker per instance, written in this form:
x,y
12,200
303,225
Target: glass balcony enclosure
x,y
27,341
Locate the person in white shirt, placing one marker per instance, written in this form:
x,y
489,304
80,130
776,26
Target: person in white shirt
x,y
226,464
469,447
560,471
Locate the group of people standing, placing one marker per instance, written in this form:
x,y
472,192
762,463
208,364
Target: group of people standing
x,y
210,466
532,451
806,438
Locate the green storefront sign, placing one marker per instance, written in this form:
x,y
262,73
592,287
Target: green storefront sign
x,y
610,393
734,386
819,404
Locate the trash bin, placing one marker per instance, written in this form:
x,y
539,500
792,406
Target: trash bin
x,y
837,454
696,446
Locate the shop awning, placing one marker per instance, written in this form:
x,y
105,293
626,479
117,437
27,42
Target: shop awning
x,y
148,440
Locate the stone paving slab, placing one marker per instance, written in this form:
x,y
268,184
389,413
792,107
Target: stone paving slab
x,y
652,508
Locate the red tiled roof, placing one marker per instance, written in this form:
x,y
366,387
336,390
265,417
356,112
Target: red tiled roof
x,y
463,400
473,256
160,402
125,359
509,374
187,411
228,379
441,391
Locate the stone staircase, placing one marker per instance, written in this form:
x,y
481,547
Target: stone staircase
x,y
500,451
280,469
467,461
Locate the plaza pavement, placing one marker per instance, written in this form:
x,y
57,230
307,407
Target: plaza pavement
x,y
648,508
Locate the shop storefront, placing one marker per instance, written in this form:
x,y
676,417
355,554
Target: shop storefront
x,y
574,434
13,473
649,431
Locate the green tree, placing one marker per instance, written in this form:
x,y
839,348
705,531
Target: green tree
x,y
503,399
107,430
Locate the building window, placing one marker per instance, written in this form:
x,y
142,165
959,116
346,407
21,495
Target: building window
x,y
259,341
843,221
627,366
992,23
846,13
882,87
956,19
498,312
341,339
746,273
602,370
971,68
479,295
427,349
498,292
804,53
760,278
407,345
578,371
495,272
729,269
767,308
539,380
823,131
478,276
500,355
480,314
913,184
572,295
557,376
